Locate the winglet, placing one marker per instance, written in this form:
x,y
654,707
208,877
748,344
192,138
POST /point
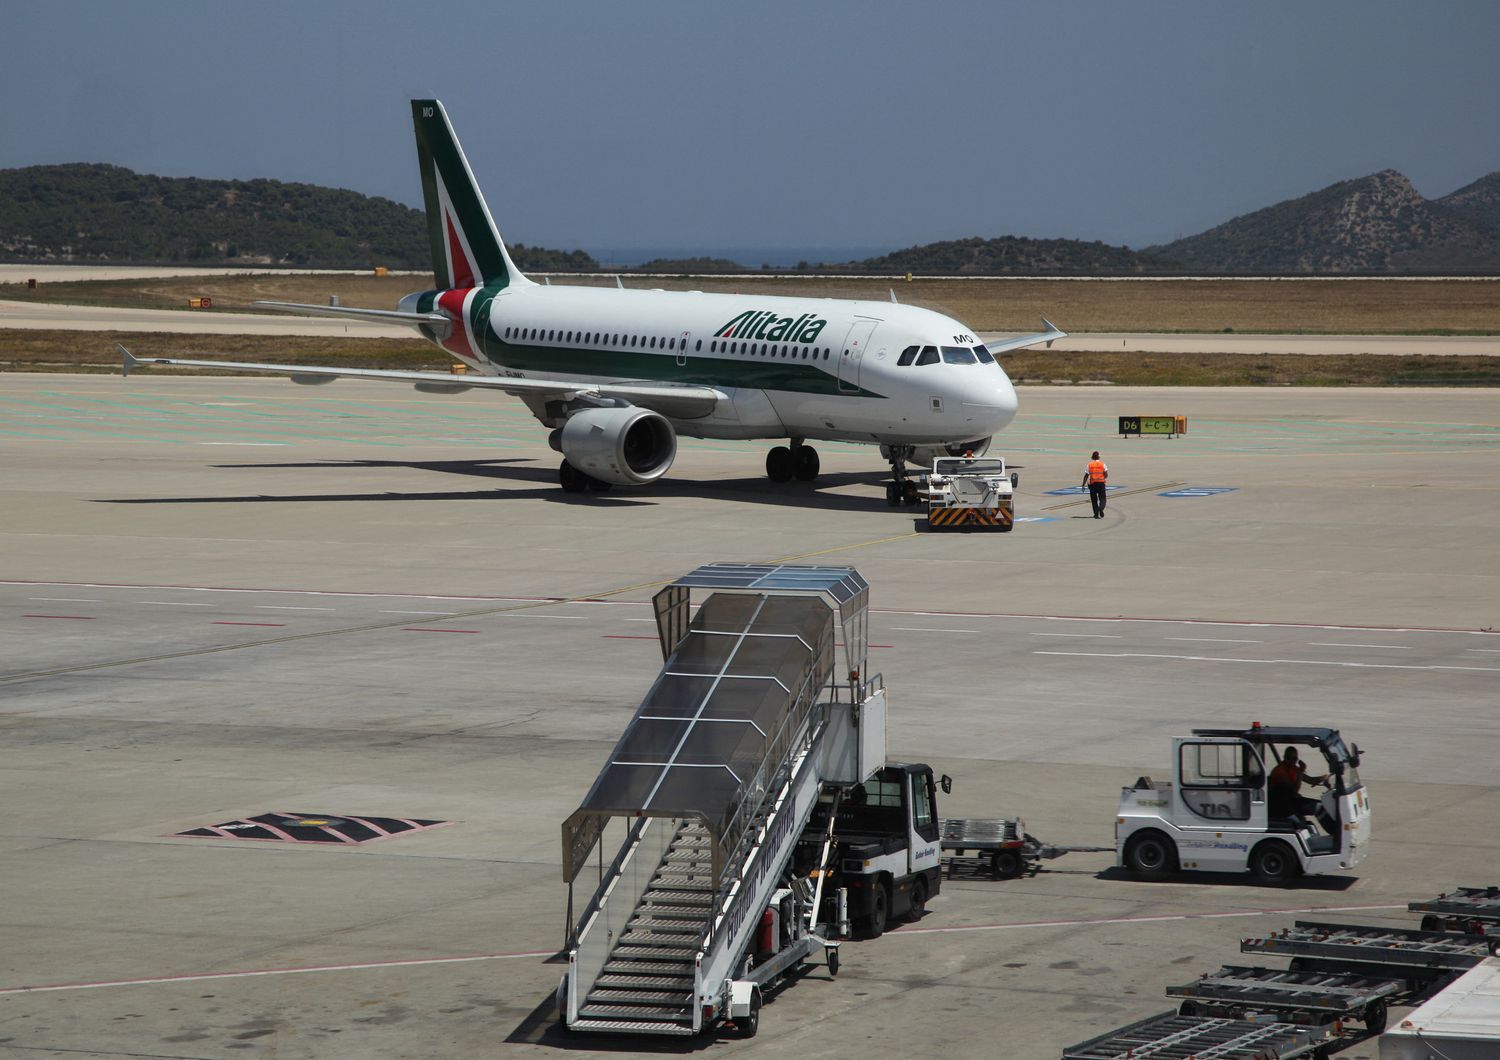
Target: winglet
x,y
618,284
893,295
128,360
1052,327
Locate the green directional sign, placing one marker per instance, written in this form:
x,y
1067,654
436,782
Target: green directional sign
x,y
1168,425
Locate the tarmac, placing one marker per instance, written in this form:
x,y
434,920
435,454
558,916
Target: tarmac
x,y
222,597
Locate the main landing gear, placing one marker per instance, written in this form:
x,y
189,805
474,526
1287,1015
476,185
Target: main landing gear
x,y
575,481
900,490
799,461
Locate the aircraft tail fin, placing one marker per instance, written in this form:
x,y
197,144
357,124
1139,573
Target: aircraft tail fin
x,y
466,247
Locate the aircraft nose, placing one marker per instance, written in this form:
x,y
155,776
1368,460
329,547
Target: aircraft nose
x,y
1003,397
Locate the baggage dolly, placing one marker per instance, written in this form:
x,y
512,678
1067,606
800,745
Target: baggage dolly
x,y
1169,1036
1000,845
1425,959
1475,910
1312,997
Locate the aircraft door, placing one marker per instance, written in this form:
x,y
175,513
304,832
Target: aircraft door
x,y
853,351
682,348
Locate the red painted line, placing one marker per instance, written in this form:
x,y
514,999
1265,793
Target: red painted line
x,y
430,629
78,618
247,623
411,963
1162,919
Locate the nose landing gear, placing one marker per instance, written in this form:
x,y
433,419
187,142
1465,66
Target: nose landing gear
x,y
901,490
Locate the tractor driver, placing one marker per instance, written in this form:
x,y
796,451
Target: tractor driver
x,y
1284,789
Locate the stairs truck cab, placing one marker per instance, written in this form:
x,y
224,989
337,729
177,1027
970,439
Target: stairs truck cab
x,y
886,861
759,706
1225,810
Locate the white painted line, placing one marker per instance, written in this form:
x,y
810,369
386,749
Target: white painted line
x,y
171,603
929,629
1161,919
67,599
414,963
1106,636
1338,644
256,444
1267,662
1218,640
384,612
1492,651
289,607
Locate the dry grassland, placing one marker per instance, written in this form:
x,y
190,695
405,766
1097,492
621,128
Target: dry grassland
x,y
1365,307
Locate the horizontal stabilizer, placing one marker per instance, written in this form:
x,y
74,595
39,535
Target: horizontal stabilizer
x,y
379,316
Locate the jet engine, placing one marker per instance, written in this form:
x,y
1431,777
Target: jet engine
x,y
924,455
624,446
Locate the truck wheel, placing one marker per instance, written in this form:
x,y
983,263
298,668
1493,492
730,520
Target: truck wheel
x,y
1374,1017
879,909
750,1024
918,900
1006,864
1273,863
1151,854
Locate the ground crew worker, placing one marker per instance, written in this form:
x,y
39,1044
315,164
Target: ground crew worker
x,y
1093,480
1284,789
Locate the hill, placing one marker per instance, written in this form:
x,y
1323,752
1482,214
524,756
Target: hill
x,y
1011,255
1375,224
93,212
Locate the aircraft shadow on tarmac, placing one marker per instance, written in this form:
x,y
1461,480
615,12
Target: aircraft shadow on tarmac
x,y
1233,879
753,490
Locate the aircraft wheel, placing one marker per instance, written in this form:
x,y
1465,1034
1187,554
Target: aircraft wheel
x,y
779,464
598,485
909,493
805,463
571,479
893,494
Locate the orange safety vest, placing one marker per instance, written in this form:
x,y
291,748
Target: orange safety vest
x,y
1096,471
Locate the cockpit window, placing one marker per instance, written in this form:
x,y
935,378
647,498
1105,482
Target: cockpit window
x,y
929,355
958,355
984,355
907,356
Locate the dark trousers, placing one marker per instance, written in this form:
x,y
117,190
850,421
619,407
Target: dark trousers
x,y
1096,498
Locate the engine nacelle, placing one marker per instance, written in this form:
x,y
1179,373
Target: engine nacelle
x,y
924,455
626,447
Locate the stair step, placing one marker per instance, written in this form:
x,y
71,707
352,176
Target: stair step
x,y
677,896
673,911
642,951
665,939
618,981
640,996
675,877
664,1013
650,921
647,967
664,1028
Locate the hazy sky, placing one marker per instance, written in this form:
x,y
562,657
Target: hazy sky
x,y
770,124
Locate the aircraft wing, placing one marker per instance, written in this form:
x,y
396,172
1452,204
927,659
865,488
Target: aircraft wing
x,y
1021,342
673,400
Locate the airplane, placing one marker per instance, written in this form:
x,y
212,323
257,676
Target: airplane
x,y
618,374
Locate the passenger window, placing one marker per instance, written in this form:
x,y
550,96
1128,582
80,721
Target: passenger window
x,y
907,356
929,355
698,346
984,355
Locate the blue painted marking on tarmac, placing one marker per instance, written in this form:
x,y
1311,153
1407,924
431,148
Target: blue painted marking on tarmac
x,y
1037,519
1075,490
1198,491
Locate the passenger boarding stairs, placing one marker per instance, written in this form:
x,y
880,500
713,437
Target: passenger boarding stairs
x,y
716,778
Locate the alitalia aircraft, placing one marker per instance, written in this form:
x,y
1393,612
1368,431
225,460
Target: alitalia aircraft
x,y
618,374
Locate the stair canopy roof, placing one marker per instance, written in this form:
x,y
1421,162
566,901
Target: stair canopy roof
x,y
708,739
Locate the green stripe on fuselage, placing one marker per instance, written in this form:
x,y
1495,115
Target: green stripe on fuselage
x,y
755,373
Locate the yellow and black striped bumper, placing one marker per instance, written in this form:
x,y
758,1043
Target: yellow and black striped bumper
x,y
997,517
